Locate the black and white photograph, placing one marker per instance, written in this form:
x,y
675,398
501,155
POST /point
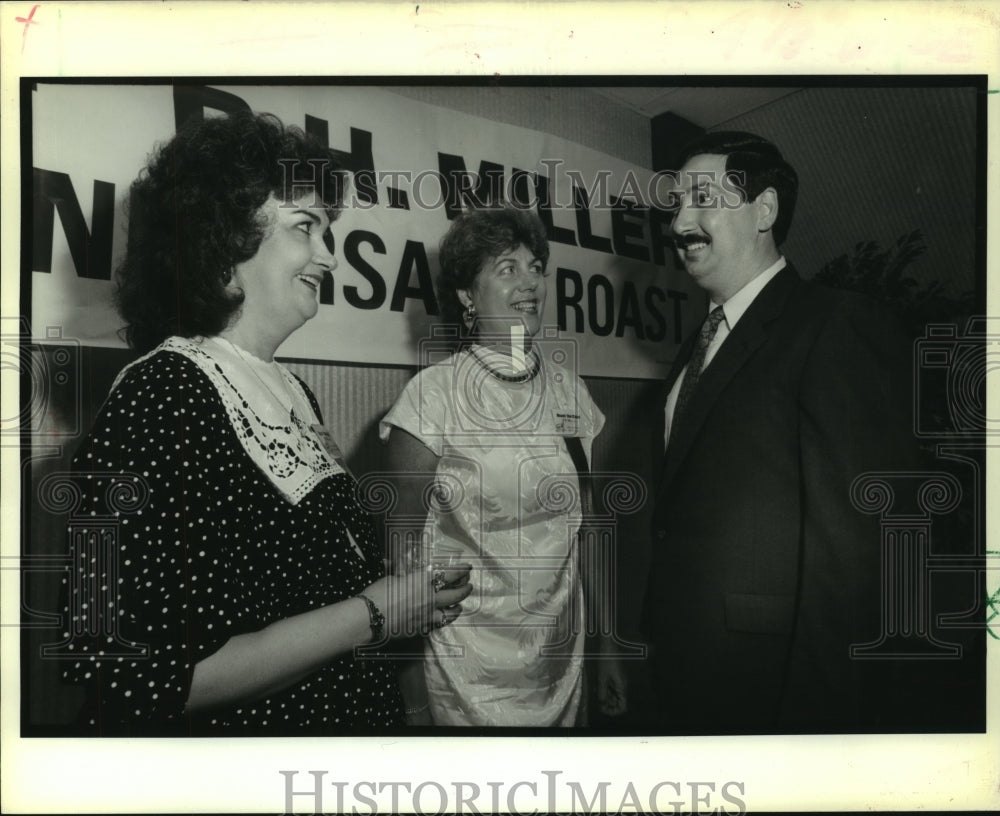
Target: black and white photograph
x,y
629,428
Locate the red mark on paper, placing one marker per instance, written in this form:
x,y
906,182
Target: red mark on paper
x,y
27,22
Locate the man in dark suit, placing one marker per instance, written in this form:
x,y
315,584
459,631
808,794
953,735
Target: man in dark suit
x,y
763,572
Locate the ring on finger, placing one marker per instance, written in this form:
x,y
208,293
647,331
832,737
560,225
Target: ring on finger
x,y
437,580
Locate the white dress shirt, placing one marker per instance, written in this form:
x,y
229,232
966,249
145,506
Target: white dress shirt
x,y
733,309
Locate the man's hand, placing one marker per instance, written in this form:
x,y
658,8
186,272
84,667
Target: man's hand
x,y
612,696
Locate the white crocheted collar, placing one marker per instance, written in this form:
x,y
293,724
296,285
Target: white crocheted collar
x,y
267,408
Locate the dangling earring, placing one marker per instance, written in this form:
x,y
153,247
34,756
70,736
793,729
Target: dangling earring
x,y
470,314
227,276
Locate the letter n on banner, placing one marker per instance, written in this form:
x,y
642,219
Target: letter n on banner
x,y
90,250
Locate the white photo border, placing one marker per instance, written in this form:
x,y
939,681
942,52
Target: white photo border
x,y
263,39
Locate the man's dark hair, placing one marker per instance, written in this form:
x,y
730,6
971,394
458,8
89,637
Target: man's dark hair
x,y
473,239
754,164
193,215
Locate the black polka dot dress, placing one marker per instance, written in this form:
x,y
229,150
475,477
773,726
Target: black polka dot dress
x,y
206,548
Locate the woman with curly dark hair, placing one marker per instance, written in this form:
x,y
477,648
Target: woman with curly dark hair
x,y
503,429
247,575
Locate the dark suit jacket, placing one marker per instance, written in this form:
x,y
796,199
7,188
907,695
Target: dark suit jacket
x,y
763,573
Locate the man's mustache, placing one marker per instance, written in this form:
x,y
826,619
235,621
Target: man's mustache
x,y
684,241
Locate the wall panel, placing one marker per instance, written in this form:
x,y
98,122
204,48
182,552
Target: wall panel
x,y
875,163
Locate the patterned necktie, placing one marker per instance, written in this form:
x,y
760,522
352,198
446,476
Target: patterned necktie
x,y
697,361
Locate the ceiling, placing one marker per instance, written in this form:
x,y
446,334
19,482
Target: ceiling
x,y
704,106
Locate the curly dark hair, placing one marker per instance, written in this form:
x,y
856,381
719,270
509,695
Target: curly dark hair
x,y
757,164
193,215
474,238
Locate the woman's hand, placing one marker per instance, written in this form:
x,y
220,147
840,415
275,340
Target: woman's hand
x,y
419,716
255,665
612,697
612,687
416,602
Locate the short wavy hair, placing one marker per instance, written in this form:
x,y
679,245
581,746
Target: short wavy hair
x,y
757,164
193,215
476,237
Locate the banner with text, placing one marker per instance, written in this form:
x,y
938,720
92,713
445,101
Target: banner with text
x,y
612,288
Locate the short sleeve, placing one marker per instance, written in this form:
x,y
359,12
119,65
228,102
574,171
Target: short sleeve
x,y
421,410
592,418
151,592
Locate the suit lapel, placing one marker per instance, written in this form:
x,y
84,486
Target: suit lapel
x,y
750,332
683,355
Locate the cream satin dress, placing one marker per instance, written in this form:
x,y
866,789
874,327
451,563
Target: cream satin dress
x,y
507,502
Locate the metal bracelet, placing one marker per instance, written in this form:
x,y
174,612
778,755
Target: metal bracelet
x,y
375,619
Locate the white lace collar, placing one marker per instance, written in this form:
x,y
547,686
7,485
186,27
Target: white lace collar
x,y
267,408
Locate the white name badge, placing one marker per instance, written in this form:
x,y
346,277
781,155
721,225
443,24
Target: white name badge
x,y
566,424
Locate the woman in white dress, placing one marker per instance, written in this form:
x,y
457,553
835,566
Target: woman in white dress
x,y
487,445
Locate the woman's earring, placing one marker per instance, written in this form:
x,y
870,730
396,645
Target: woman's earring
x,y
227,276
470,314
